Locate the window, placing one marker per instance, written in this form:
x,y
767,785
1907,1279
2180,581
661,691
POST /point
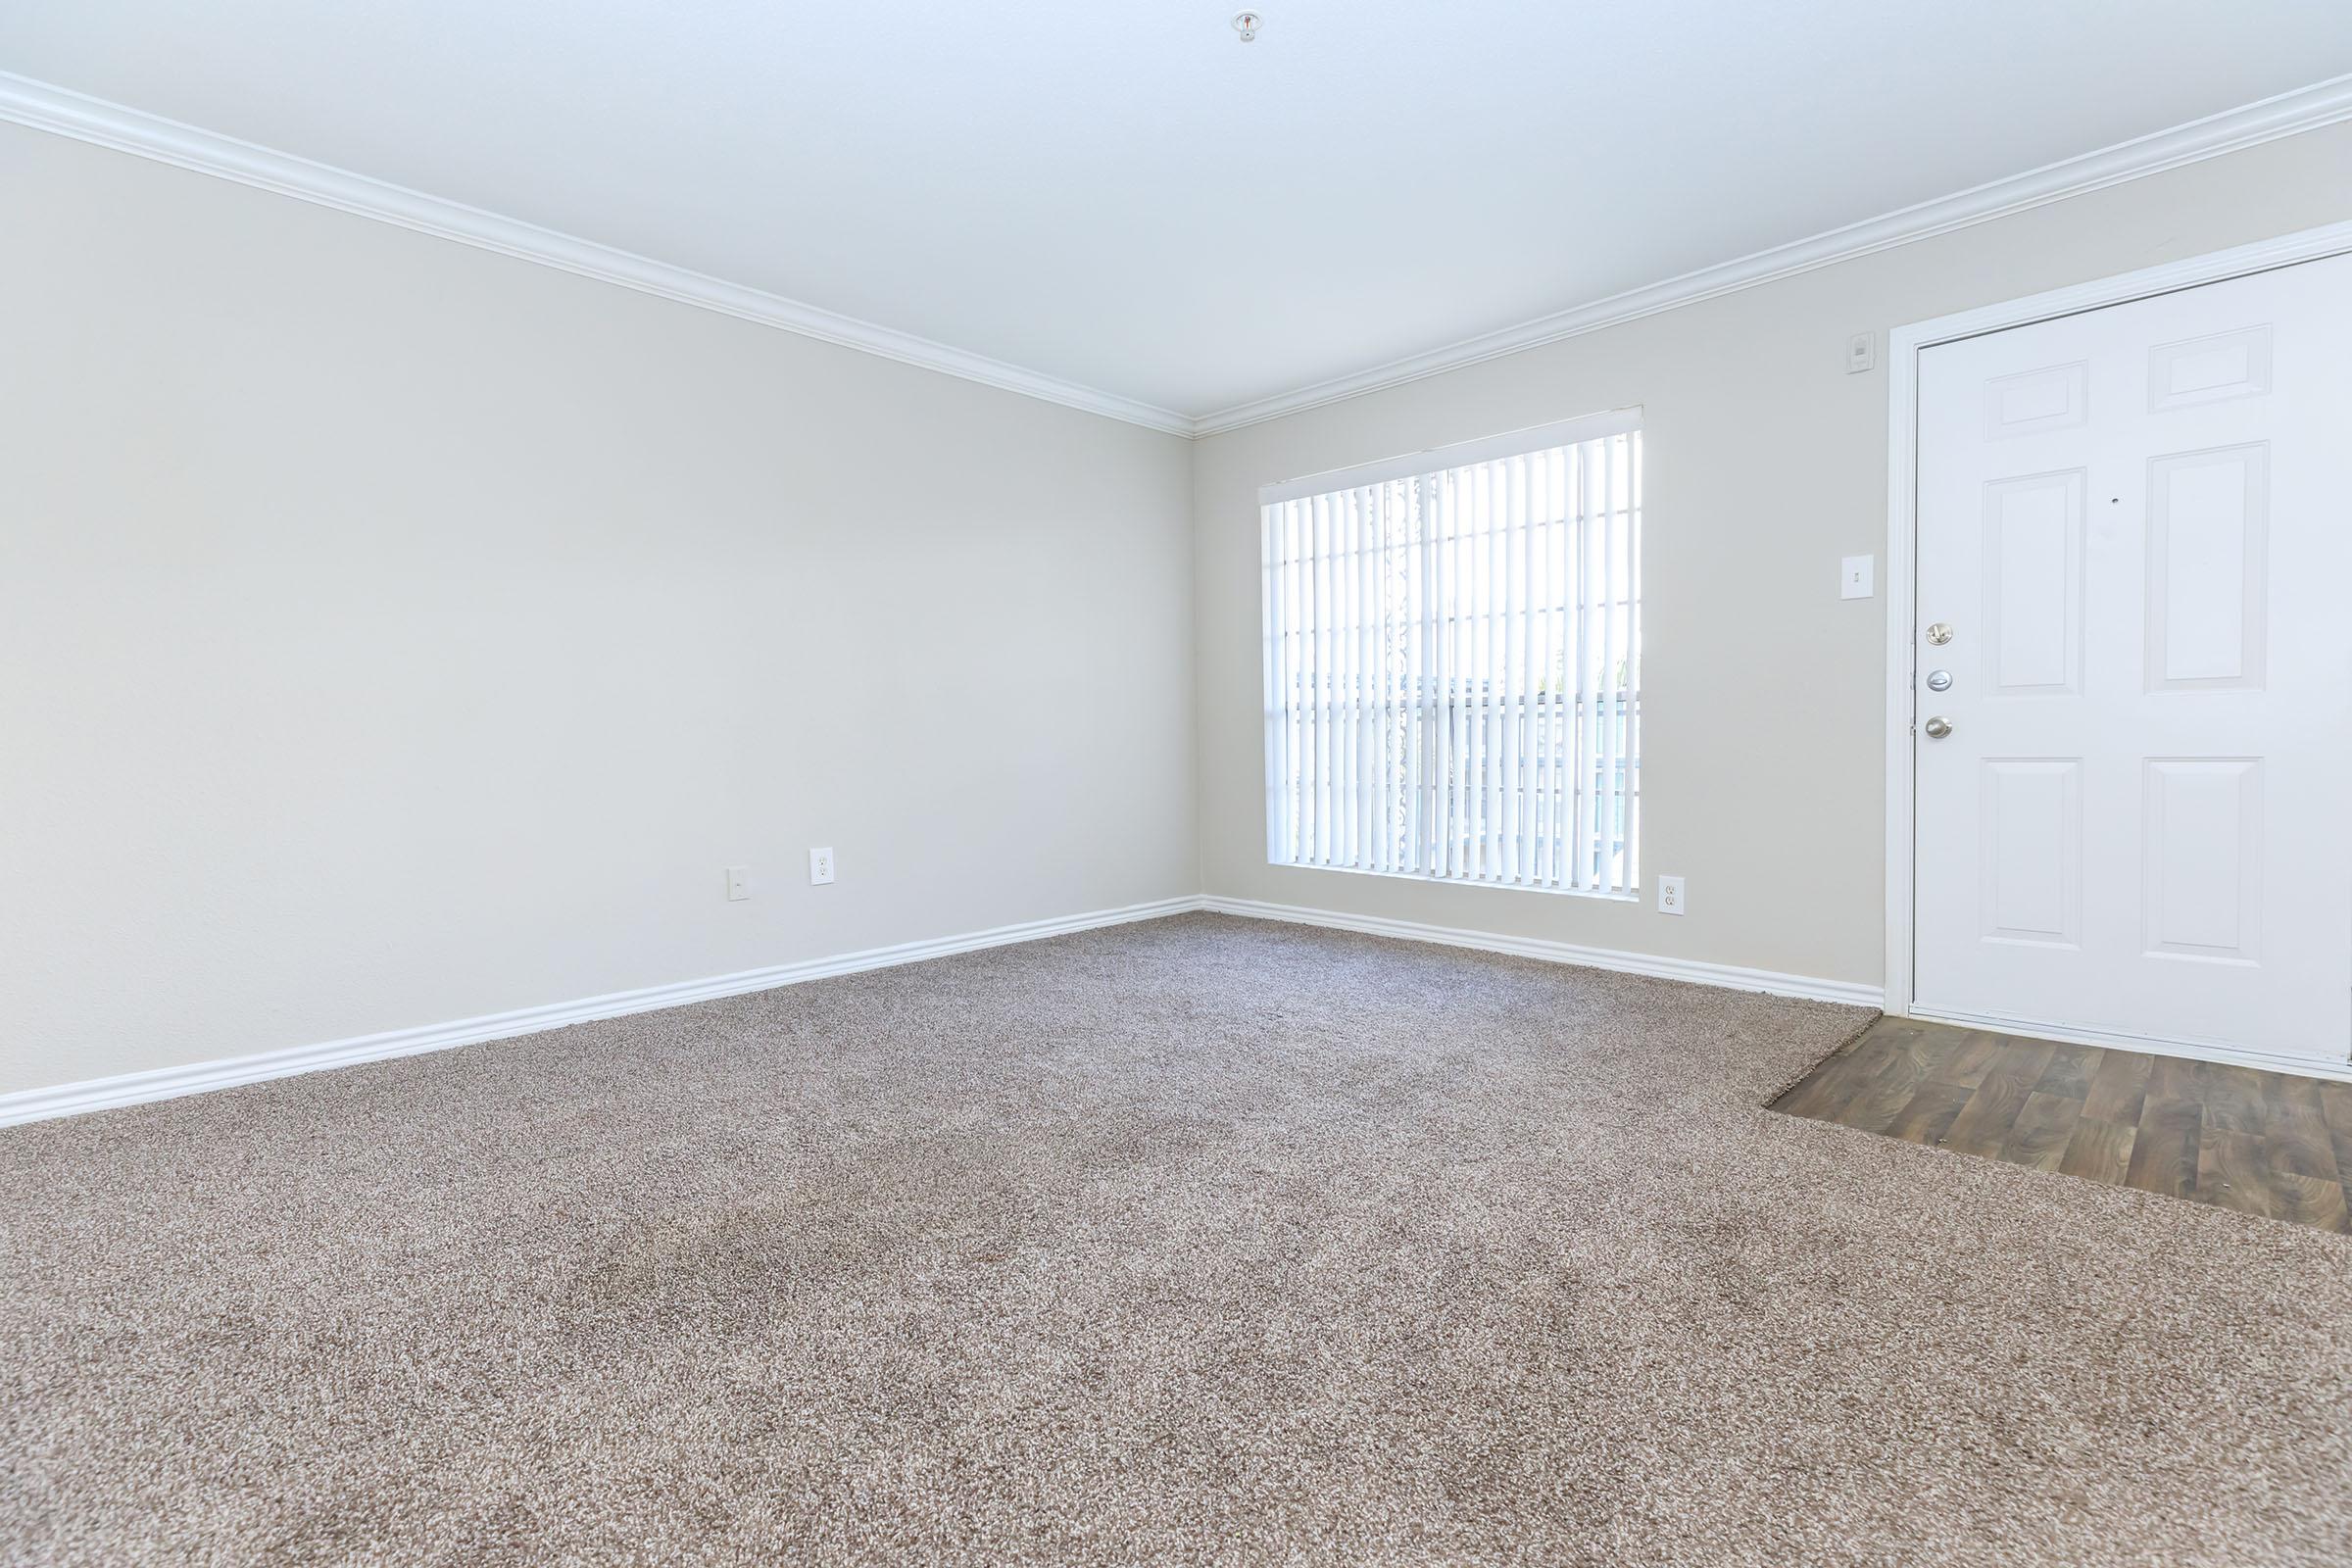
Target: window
x,y
1452,663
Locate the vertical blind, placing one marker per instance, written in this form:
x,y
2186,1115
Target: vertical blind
x,y
1452,663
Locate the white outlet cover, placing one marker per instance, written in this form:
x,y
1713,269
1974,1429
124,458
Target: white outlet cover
x,y
1670,895
739,883
1857,576
820,867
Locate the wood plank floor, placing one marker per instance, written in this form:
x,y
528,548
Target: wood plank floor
x,y
2264,1143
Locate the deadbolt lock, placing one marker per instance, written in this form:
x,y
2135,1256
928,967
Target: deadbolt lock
x,y
1939,633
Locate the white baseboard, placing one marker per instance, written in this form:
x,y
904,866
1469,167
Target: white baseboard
x,y
2196,1051
166,1083
1728,976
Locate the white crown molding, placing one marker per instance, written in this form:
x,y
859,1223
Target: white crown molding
x,y
170,1083
64,113
1723,976
2310,108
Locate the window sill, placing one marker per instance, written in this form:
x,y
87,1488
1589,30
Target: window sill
x,y
1632,895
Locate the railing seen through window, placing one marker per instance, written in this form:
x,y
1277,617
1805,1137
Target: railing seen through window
x,y
1452,663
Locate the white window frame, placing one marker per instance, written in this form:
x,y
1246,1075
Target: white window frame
x,y
1559,812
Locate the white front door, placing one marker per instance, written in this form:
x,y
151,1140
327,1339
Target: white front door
x,y
2136,591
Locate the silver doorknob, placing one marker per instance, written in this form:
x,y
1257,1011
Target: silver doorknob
x,y
1939,728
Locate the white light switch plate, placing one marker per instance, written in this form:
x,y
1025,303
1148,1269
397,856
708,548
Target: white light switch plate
x,y
1861,351
1670,895
739,883
1857,576
820,867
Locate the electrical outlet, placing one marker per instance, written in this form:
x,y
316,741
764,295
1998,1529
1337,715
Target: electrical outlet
x,y
1857,576
1670,895
820,867
739,883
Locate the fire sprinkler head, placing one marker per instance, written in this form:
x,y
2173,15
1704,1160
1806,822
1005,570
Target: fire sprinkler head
x,y
1245,22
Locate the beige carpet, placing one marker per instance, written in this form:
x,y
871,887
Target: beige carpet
x,y
1197,1241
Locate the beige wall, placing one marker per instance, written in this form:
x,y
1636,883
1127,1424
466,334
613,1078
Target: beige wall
x,y
1763,766
392,632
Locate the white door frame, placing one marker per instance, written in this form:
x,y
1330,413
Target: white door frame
x,y
1903,348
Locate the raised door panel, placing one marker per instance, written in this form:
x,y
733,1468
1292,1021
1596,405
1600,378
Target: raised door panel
x,y
2201,828
2029,856
2208,590
2032,401
2033,556
2208,369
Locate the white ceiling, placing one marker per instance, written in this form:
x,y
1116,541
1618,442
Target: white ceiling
x,y
1122,195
